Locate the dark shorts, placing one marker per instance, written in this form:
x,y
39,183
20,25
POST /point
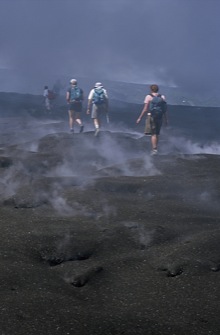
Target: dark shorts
x,y
98,110
153,126
75,106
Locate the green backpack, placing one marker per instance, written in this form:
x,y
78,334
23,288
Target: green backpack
x,y
158,106
75,94
98,96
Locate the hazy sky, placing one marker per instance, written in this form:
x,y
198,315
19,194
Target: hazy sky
x,y
169,41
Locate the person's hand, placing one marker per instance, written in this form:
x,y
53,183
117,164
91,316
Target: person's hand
x,y
88,111
138,120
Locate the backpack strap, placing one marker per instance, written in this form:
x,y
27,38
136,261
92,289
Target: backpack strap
x,y
159,95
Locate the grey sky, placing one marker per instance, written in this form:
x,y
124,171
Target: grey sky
x,y
169,41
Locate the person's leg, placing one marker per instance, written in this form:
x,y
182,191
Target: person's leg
x,y
154,144
155,131
47,103
94,116
154,141
97,126
71,119
96,123
79,121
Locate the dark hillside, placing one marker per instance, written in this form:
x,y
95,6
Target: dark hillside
x,y
98,237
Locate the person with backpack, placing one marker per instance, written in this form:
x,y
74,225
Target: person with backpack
x,y
98,100
46,98
156,108
74,97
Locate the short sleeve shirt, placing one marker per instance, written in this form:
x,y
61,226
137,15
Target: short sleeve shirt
x,y
45,92
92,92
148,98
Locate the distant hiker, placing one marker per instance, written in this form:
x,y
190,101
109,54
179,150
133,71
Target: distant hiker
x,y
49,96
98,100
74,97
46,98
156,108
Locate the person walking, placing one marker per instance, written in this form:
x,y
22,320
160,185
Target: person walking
x,y
156,108
98,101
46,98
74,97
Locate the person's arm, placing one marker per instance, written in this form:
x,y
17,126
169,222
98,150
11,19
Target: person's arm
x,y
165,116
68,96
89,101
106,101
89,106
144,110
147,100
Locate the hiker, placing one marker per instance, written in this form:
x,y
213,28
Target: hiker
x,y
74,97
156,108
98,100
46,98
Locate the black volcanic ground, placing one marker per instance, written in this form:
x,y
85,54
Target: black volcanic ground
x,y
99,238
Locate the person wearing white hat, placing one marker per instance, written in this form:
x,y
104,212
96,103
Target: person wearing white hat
x,y
46,97
98,100
74,97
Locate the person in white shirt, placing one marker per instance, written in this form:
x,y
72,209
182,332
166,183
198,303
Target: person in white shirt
x,y
98,105
47,101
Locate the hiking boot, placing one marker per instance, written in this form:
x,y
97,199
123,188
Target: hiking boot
x,y
97,131
71,130
154,152
81,129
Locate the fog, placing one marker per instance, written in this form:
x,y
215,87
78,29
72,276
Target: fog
x,y
118,153
171,42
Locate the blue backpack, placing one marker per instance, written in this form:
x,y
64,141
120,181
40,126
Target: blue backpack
x,y
98,96
158,106
75,94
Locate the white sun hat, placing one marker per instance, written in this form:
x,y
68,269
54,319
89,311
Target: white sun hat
x,y
73,81
98,84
